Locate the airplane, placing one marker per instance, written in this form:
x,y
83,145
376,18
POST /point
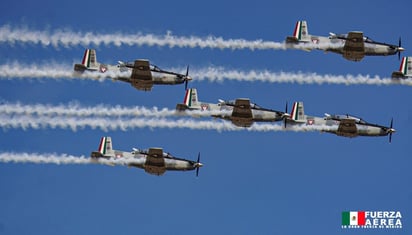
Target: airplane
x,y
153,161
143,74
405,70
353,46
241,112
342,125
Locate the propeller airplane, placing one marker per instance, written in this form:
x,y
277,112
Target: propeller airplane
x,y
153,161
352,46
143,75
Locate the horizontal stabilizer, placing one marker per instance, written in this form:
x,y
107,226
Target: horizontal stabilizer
x,y
397,75
80,68
96,155
291,40
182,107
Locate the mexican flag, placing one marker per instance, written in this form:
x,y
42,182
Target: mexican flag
x,y
353,218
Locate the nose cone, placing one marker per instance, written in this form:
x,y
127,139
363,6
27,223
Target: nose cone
x,y
188,78
391,130
198,164
401,49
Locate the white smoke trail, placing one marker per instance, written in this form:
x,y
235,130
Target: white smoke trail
x,y
77,110
111,124
212,74
53,71
59,159
67,38
8,157
219,74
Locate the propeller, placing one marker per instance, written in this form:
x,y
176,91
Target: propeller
x,y
399,48
391,130
187,77
286,114
198,165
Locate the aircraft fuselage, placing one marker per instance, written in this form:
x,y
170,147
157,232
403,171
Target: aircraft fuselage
x,y
337,45
166,79
157,167
334,127
243,121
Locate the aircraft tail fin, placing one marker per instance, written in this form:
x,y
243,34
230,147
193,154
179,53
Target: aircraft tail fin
x,y
301,32
89,61
298,113
105,148
405,69
190,100
89,58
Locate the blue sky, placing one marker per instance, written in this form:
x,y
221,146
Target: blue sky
x,y
251,182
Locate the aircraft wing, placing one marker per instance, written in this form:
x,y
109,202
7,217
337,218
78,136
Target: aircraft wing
x,y
354,48
141,75
347,127
155,152
242,109
155,162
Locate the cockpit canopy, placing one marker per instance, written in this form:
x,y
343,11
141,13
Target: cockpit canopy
x,y
255,106
155,68
347,116
367,39
345,36
233,103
